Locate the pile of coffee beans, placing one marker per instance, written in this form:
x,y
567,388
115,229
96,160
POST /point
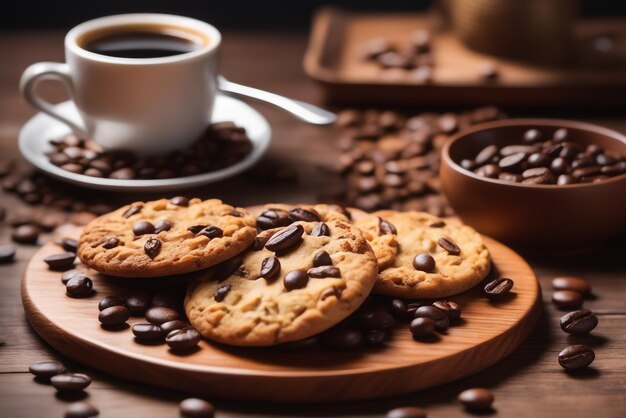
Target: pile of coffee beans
x,y
569,294
222,145
67,384
545,156
390,160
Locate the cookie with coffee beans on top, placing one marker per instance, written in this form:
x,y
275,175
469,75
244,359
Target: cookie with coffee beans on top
x,y
435,258
381,235
295,282
165,237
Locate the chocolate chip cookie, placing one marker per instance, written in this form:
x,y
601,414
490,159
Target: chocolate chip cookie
x,y
165,237
301,280
381,235
434,260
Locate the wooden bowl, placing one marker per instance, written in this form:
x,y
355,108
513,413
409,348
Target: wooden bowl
x,y
537,218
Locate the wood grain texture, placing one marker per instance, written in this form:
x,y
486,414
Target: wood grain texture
x,y
335,59
488,332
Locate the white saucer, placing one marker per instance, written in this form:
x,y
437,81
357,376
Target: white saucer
x,y
40,129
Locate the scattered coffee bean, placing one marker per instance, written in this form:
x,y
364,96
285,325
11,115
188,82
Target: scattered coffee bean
x,y
374,337
133,210
152,247
142,228
212,232
158,316
68,244
221,292
437,315
147,332
296,279
342,338
567,299
422,327
79,286
60,262
424,262
375,319
7,253
26,234
137,303
70,382
320,230
196,408
576,357
286,238
399,310
476,399
300,214
322,258
183,338
108,302
406,412
44,370
69,274
386,228
113,316
498,288
162,226
81,409
180,201
110,242
273,218
449,245
452,309
579,322
170,326
324,272
572,283
270,268
414,306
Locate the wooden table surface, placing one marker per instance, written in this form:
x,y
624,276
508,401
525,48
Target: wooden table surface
x,y
528,383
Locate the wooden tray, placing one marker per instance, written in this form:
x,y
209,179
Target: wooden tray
x,y
334,58
488,333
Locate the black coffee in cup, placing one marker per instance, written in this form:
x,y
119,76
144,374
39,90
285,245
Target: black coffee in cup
x,y
143,42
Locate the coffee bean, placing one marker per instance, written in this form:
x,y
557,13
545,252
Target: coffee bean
x,y
133,210
319,230
66,276
449,245
180,201
296,279
513,162
414,306
300,214
489,170
342,338
273,218
375,319
26,234
406,412
560,135
7,253
183,339
142,228
532,135
166,299
114,316
162,226
560,166
576,357
386,228
374,337
422,327
468,164
79,286
70,382
515,149
535,172
513,178
476,399
195,229
498,288
158,316
486,155
111,242
221,292
137,303
399,310
565,179
270,268
440,317
152,247
450,308
170,326
324,272
196,408
68,244
125,173
44,370
322,258
438,224
424,262
212,232
286,238
60,262
538,159
567,299
81,409
108,302
572,283
147,332
579,322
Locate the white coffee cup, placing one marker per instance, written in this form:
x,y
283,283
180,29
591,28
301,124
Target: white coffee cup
x,y
144,105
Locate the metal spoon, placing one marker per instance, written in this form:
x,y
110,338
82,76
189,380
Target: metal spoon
x,y
304,111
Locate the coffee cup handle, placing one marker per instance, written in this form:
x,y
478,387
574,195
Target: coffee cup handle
x,y
49,71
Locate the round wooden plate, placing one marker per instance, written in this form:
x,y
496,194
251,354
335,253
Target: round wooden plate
x,y
488,332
